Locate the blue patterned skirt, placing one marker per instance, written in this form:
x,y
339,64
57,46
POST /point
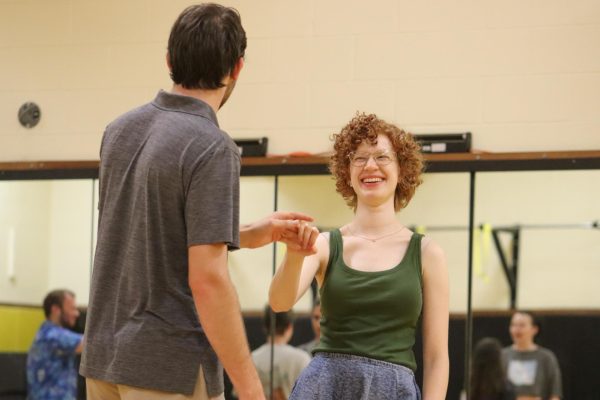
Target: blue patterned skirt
x,y
334,376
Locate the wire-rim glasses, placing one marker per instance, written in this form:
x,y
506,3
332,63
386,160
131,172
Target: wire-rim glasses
x,y
381,158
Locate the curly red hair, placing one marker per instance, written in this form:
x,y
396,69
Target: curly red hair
x,y
366,127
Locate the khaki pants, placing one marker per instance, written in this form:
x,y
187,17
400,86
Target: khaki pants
x,y
100,390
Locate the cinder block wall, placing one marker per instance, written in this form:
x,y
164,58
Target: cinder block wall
x,y
520,75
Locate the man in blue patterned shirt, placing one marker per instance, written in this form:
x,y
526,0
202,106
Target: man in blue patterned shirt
x,y
51,372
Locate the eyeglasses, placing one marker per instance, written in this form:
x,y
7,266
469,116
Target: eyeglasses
x,y
381,158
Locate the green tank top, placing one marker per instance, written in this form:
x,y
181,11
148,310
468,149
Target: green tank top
x,y
371,314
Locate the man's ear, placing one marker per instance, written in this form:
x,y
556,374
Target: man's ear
x,y
54,309
237,68
168,61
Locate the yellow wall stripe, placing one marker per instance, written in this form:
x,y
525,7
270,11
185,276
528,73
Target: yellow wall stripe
x,y
18,326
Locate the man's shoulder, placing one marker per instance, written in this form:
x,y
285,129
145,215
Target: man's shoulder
x,y
48,329
55,332
179,131
134,114
545,353
296,353
308,346
261,356
539,353
260,350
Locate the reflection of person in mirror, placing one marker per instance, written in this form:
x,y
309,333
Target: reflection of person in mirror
x,y
375,277
163,313
488,378
288,361
51,371
315,323
532,369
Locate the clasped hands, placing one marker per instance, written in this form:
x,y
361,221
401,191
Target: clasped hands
x,y
291,228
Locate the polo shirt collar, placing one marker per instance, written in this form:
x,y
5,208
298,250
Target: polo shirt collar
x,y
191,105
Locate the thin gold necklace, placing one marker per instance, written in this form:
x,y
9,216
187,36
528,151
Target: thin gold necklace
x,y
373,240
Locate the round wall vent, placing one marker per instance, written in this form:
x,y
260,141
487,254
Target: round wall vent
x,y
29,115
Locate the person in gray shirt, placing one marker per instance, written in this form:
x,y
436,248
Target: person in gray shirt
x,y
532,369
287,361
163,313
315,323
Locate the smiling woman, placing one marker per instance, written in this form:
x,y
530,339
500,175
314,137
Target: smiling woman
x,y
365,270
366,130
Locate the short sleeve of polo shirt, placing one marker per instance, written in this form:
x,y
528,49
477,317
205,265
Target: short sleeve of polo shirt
x,y
212,198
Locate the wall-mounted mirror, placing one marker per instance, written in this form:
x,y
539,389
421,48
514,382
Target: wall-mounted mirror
x,y
546,226
545,223
250,269
46,238
537,247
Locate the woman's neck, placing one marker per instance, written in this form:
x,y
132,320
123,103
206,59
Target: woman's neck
x,y
375,220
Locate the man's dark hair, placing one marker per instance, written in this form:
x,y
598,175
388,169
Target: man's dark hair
x,y
282,321
55,298
206,42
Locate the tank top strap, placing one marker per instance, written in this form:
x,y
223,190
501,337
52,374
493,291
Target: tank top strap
x,y
413,254
335,250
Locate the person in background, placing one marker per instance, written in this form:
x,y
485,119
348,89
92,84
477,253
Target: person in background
x,y
164,317
488,378
376,277
51,369
288,361
532,369
315,322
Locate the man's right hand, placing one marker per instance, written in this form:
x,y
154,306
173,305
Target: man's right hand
x,y
273,228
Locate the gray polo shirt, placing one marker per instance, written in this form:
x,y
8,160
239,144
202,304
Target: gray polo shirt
x,y
169,179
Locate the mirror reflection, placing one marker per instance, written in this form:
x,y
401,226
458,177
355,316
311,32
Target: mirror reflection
x,y
251,269
45,238
536,251
544,224
530,227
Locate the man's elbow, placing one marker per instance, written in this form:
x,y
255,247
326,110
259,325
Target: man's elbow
x,y
207,284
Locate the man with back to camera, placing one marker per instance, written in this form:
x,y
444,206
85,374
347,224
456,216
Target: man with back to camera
x,y
288,361
163,312
51,372
532,369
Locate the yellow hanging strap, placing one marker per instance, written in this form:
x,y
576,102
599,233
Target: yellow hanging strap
x,y
482,238
486,242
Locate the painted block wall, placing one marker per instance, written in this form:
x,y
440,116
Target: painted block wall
x,y
519,75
